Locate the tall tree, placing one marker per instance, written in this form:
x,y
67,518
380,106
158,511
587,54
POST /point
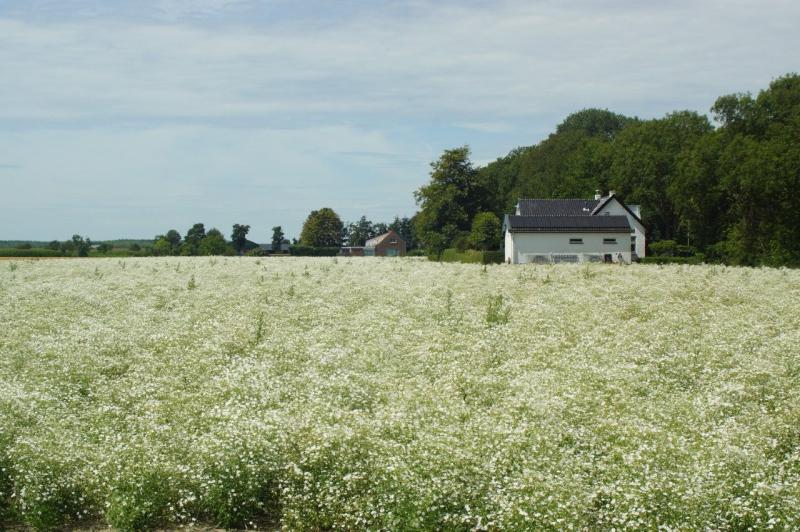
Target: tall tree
x,y
81,246
277,238
322,228
760,169
645,163
239,237
174,239
450,201
405,228
359,232
191,243
213,243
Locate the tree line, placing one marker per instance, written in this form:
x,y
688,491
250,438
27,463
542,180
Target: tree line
x,y
324,228
727,189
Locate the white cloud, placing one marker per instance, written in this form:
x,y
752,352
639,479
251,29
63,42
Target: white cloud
x,y
473,64
192,95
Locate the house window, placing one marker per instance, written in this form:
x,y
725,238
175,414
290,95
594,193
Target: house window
x,y
609,241
633,244
393,241
576,241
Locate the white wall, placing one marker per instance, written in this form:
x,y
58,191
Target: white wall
x,y
509,248
522,245
613,208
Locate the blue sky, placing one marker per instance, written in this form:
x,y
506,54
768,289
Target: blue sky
x,y
128,118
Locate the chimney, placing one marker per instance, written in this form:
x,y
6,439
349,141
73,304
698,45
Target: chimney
x,y
611,193
597,195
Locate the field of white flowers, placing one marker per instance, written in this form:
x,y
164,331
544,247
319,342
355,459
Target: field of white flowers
x,y
397,394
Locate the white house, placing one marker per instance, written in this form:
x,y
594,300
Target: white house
x,y
574,230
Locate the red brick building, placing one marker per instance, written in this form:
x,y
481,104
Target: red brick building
x,y
386,245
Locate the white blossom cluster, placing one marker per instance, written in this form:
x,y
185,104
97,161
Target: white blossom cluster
x,y
398,394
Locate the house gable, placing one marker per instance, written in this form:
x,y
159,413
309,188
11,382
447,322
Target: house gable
x,y
612,205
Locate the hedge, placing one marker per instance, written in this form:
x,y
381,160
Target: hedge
x,y
697,259
472,256
33,252
311,251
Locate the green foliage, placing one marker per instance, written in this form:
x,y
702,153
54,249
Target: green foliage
x,y
485,234
497,312
663,248
213,243
80,246
668,259
470,256
449,202
359,232
174,239
277,238
33,252
143,501
239,236
645,166
162,247
194,236
322,228
313,251
405,228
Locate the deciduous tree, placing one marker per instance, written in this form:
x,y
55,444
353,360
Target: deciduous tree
x,y
322,228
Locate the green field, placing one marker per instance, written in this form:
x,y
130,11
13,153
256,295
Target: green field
x,y
397,394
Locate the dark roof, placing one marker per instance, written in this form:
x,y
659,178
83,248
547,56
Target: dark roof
x,y
566,224
557,207
604,201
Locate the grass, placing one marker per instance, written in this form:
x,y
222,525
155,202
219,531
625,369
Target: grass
x,y
321,393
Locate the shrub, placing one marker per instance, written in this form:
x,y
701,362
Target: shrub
x,y
471,256
663,248
697,259
313,251
461,242
33,252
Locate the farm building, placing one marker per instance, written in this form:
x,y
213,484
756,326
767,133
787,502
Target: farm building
x,y
602,229
386,245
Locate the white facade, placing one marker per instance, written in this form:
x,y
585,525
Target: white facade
x,y
541,247
547,242
614,208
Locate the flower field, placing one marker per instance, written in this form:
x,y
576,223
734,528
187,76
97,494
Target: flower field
x,y
397,394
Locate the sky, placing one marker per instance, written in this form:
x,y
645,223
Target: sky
x,y
124,119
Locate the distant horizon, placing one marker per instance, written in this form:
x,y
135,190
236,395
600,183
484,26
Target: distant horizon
x,y
126,117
